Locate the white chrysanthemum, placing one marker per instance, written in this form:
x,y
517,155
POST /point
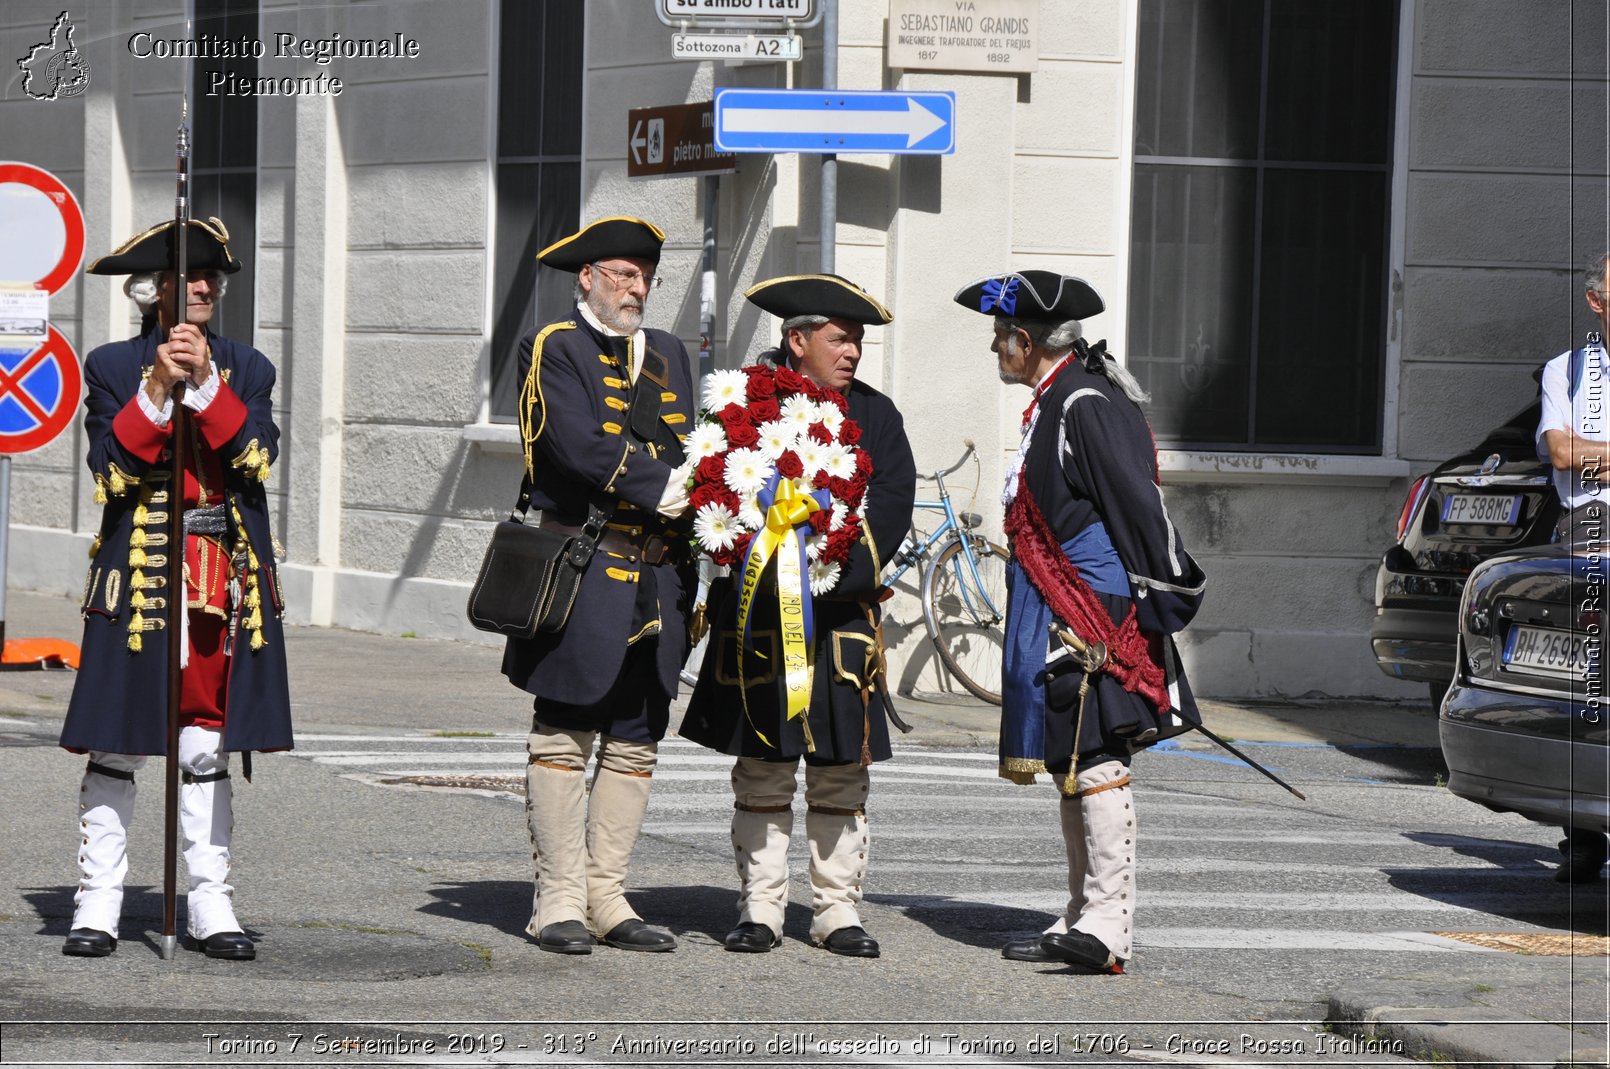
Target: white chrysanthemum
x,y
799,412
841,512
824,576
705,440
812,454
775,437
715,527
814,544
751,515
828,415
747,471
840,461
725,388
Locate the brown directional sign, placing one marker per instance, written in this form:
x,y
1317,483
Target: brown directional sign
x,y
674,140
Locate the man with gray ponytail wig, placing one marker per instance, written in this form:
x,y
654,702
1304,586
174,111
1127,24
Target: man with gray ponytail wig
x,y
1099,581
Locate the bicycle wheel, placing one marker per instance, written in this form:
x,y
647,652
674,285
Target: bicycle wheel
x,y
966,619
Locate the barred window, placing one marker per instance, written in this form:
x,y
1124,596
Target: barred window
x,y
223,161
539,119
1262,204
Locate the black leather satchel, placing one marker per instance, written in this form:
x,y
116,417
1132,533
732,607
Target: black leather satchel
x,y
530,575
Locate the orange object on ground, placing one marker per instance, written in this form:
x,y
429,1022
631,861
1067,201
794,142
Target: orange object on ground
x,y
23,654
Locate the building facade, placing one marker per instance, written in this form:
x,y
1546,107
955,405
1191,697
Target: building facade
x,y
1335,238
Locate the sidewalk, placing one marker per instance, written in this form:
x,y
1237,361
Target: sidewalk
x,y
406,681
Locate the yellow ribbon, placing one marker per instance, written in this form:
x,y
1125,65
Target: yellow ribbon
x,y
789,509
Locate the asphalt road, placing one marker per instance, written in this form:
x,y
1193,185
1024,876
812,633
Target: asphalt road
x,y
390,913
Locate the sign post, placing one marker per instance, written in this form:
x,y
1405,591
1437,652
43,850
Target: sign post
x,y
40,380
674,140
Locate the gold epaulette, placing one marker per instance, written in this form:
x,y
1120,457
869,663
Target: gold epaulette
x,y
531,396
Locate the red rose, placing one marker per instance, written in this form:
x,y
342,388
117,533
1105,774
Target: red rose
x,y
761,384
790,381
733,415
820,480
708,494
863,463
742,435
789,466
821,520
765,410
837,398
849,432
711,469
819,433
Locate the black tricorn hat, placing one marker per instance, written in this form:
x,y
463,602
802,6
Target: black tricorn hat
x,y
817,295
617,235
207,249
1042,295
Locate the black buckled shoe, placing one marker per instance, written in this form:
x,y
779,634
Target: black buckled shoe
x,y
752,937
566,937
852,942
230,946
88,943
1080,948
1026,950
633,934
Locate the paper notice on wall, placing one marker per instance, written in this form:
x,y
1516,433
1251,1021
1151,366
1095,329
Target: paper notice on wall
x,y
24,312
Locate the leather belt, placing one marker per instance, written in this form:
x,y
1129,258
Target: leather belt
x,y
646,547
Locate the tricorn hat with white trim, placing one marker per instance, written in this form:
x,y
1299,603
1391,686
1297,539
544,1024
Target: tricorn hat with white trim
x,y
1041,295
206,250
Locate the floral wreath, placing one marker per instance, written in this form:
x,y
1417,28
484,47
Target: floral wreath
x,y
768,434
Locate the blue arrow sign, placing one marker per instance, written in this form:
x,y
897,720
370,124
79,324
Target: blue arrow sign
x,y
820,120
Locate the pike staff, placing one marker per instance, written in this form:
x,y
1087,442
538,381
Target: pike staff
x,y
179,425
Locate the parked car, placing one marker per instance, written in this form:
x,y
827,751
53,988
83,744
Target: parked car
x,y
1493,498
1525,724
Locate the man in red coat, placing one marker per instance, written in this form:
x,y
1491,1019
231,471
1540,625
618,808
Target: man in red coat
x,y
234,692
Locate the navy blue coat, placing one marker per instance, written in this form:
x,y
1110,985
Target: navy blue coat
x,y
1092,459
839,723
579,442
120,700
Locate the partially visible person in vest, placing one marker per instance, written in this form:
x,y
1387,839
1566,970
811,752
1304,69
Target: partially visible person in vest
x,y
605,405
1573,435
741,697
1099,581
234,694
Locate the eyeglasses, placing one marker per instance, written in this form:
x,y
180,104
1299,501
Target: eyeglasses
x,y
629,279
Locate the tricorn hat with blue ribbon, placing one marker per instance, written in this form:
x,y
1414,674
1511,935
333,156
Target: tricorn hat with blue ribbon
x,y
206,249
1042,295
817,295
602,239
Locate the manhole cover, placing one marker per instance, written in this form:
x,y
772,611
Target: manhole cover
x,y
1553,944
509,784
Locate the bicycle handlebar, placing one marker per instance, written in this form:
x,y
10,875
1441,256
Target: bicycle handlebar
x,y
968,442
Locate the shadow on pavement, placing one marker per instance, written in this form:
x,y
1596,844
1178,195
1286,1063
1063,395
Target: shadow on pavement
x,y
980,924
1530,898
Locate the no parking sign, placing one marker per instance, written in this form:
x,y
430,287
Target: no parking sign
x,y
41,246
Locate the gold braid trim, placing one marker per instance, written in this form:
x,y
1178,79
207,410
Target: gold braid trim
x,y
1020,770
531,397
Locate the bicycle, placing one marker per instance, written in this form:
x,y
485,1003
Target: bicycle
x,y
963,590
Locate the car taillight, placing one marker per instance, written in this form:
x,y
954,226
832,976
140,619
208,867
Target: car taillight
x,y
1411,504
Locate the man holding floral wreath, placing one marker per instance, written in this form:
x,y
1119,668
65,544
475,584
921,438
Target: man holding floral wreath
x,y
770,692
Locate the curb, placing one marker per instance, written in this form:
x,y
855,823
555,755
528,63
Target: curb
x,y
1465,1036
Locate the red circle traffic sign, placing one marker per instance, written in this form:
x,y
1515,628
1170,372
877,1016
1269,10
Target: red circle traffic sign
x,y
39,393
72,220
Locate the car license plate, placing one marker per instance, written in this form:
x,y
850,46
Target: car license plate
x,y
1567,654
1496,509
